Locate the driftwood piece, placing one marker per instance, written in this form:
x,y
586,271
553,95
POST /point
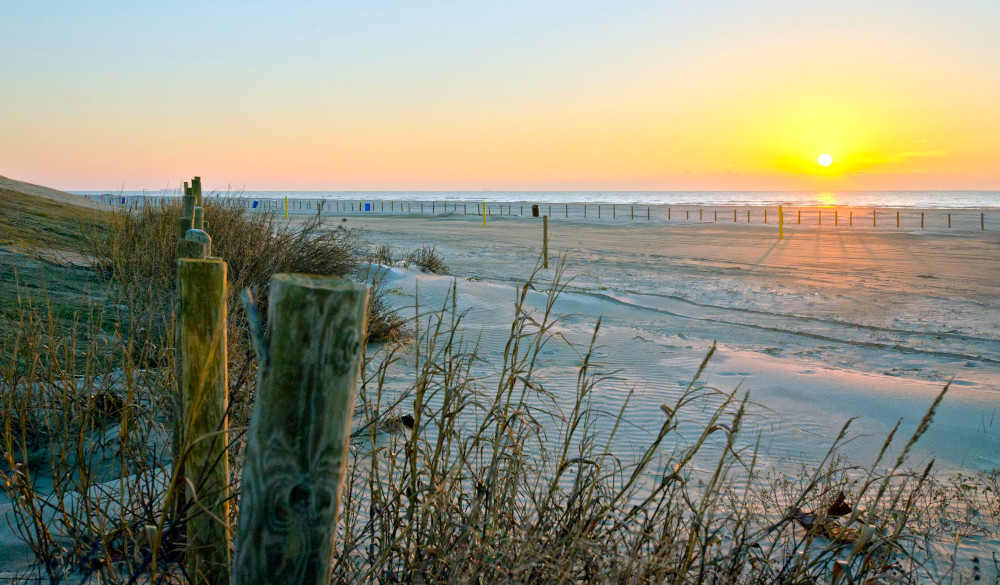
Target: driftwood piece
x,y
298,436
203,388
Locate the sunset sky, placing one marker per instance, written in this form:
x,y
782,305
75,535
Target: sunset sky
x,y
509,95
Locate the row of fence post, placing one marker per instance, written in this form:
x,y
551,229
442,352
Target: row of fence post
x,y
290,206
300,426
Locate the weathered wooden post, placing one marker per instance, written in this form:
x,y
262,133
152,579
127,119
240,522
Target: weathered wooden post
x,y
196,191
299,431
949,220
781,223
545,241
203,390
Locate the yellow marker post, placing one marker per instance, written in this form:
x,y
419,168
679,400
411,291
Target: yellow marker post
x,y
286,206
781,223
484,214
545,241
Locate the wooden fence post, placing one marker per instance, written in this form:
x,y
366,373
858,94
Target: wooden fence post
x,y
203,389
298,437
545,241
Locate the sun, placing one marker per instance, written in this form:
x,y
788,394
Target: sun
x,y
825,160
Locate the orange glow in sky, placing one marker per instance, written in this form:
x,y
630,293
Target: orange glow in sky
x,y
515,97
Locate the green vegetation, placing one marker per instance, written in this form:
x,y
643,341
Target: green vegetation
x,y
30,222
42,243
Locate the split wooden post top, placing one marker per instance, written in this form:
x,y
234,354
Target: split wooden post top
x,y
193,240
299,431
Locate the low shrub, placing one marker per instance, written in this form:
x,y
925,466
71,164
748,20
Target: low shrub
x,y
427,258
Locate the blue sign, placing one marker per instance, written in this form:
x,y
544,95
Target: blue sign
x,y
368,206
123,200
254,205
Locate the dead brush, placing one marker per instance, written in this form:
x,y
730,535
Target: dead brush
x,y
502,478
138,256
428,260
82,506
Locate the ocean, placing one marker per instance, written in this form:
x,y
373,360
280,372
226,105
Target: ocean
x,y
914,199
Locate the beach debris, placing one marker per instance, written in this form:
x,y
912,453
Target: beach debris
x,y
107,405
828,527
839,507
841,574
394,423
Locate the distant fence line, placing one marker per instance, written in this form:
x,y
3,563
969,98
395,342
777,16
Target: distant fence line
x,y
968,219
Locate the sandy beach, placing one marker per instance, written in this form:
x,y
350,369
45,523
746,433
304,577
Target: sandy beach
x,y
824,325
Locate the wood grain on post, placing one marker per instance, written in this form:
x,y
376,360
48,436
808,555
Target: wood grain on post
x,y
203,388
298,435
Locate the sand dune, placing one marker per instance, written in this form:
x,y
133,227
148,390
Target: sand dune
x,y
46,192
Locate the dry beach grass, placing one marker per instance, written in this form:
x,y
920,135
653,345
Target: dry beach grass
x,y
497,480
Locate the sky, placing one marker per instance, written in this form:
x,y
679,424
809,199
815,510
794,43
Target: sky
x,y
512,95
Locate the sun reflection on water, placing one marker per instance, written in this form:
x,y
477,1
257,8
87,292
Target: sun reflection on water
x,y
827,199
